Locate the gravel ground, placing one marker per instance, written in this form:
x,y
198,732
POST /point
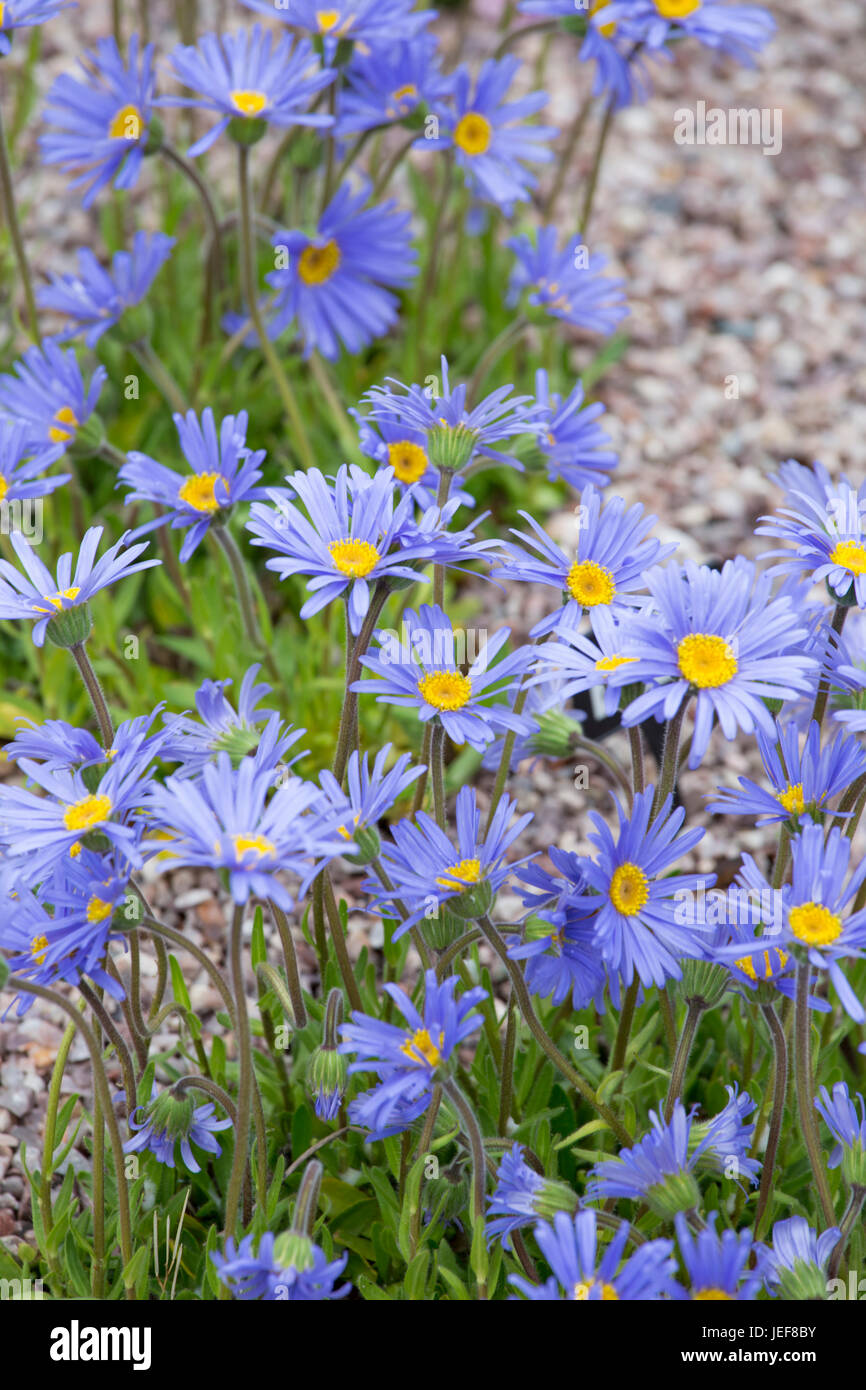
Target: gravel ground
x,y
741,268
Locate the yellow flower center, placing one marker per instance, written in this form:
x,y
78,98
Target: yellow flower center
x,y
419,1047
712,1296
85,814
629,889
466,871
581,1292
318,263
792,799
56,600
815,924
605,29
126,124
850,555
408,461
98,910
473,133
249,103
590,584
329,19
747,965
65,416
705,660
75,850
410,90
4,487
199,491
259,845
348,834
355,558
39,944
610,663
676,9
445,689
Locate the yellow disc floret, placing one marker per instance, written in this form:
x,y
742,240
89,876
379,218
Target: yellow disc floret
x,y
792,799
39,944
677,9
747,965
581,1292
712,1296
199,491
459,875
420,1048
249,103
59,433
98,909
473,133
448,690
606,30
259,845
814,923
85,814
354,558
408,460
318,263
706,660
611,663
629,889
126,125
590,584
850,555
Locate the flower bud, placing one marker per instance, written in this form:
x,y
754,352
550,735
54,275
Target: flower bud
x,y
70,627
678,1192
451,446
704,982
89,438
555,735
247,130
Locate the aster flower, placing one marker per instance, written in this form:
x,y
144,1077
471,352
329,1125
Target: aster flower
x,y
225,819
636,927
492,137
263,1276
726,1138
429,871
561,955
737,30
717,1262
46,391
333,284
96,299
816,921
40,595
370,793
171,1119
21,14
408,1060
389,84
581,1274
613,549
423,674
448,426
102,124
718,635
569,284
403,448
64,747
248,76
20,465
354,531
574,446
804,782
372,24
195,742
829,536
621,73
224,473
522,1196
794,1267
554,727
848,1127
577,662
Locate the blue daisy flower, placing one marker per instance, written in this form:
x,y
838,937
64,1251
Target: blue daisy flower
x,y
248,76
726,1138
220,728
39,594
574,446
403,449
637,930
429,871
582,1274
621,72
795,1265
409,1059
102,124
21,14
47,392
491,136
720,636
422,673
169,1120
848,1127
804,781
435,410
224,473
717,1262
21,465
737,30
561,955
96,299
262,1276
577,662
389,84
226,819
63,747
354,530
569,284
372,24
829,535
522,1196
370,792
333,284
606,571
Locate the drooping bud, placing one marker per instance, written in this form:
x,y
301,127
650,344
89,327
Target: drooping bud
x,y
368,844
329,1069
70,627
555,735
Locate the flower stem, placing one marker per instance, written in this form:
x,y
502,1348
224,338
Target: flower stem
x,y
338,936
144,353
506,1080
803,1073
823,693
248,279
669,764
625,1021
780,1086
438,761
290,960
858,1196
246,603
353,672
245,1076
572,141
10,213
681,1060
94,690
49,1141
